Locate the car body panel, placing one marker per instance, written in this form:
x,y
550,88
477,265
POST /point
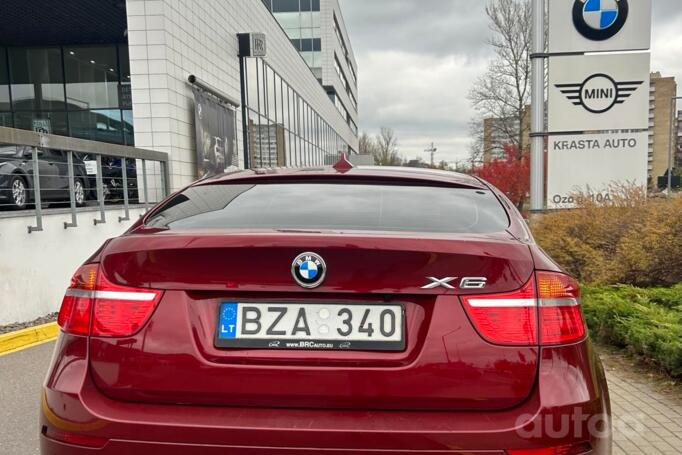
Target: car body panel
x,y
211,261
571,383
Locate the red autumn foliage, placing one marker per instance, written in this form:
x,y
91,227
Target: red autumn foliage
x,y
509,174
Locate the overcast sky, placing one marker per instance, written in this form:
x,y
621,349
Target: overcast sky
x,y
419,58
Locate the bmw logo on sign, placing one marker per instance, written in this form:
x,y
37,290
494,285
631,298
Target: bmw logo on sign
x,y
599,20
309,270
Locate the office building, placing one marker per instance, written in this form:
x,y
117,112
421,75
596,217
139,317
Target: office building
x,y
498,132
317,29
661,91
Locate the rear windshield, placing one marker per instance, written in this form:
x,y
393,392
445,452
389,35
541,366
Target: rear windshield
x,y
333,206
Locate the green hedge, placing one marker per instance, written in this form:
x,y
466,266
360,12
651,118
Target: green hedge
x,y
648,322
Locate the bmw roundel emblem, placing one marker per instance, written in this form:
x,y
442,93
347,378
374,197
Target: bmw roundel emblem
x,y
599,20
309,270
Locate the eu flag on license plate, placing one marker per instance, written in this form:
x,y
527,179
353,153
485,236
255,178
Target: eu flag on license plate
x,y
228,320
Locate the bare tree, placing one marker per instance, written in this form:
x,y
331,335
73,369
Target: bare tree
x,y
386,153
477,145
503,92
367,145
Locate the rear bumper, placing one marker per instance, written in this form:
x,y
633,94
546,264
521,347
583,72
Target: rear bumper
x,y
147,448
569,405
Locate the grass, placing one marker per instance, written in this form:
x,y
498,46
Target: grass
x,y
646,322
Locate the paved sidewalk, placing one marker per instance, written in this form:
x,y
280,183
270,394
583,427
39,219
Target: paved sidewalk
x,y
647,412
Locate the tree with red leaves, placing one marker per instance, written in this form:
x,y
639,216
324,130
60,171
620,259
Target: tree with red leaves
x,y
510,174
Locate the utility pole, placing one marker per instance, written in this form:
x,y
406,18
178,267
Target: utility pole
x,y
537,127
432,150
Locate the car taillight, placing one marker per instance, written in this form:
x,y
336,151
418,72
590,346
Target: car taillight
x,y
561,319
509,318
572,449
74,315
76,439
94,306
546,311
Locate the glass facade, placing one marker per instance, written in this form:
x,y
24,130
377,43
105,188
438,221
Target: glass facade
x,y
78,91
300,19
283,129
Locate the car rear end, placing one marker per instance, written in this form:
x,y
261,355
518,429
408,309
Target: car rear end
x,y
360,312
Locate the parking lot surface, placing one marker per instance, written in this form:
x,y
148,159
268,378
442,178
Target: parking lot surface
x,y
21,375
647,420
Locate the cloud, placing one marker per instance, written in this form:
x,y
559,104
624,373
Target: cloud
x,y
418,59
421,97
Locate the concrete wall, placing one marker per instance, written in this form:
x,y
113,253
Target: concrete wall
x,y
171,39
35,269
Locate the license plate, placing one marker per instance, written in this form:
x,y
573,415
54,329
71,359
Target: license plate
x,y
353,327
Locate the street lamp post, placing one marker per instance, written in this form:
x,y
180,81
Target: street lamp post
x,y
671,145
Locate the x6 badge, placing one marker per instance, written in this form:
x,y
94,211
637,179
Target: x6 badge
x,y
465,283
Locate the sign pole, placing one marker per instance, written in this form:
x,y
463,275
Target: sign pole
x,y
537,127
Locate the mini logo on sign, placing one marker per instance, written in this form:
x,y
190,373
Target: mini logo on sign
x,y
308,270
599,20
599,93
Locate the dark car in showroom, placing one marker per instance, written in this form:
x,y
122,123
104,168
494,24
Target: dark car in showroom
x,y
333,310
17,177
112,178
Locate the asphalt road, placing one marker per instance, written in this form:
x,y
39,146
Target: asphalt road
x,y
21,375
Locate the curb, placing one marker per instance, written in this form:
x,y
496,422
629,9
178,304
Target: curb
x,y
26,338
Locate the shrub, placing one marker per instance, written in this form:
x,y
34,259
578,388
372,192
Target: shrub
x,y
630,240
648,322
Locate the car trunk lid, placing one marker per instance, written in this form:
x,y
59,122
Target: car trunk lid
x,y
445,364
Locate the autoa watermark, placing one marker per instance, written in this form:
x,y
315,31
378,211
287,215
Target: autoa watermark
x,y
579,425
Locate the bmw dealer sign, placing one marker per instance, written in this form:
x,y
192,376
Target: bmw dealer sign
x,y
599,25
599,92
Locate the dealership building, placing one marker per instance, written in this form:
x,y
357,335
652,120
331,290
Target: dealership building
x,y
181,88
117,71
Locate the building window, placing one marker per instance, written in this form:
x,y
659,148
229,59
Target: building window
x,y
97,125
5,101
300,19
44,122
339,35
285,6
339,71
283,129
92,77
6,119
78,91
37,79
353,101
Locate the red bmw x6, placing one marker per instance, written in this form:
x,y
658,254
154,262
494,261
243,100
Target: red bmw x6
x,y
334,311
